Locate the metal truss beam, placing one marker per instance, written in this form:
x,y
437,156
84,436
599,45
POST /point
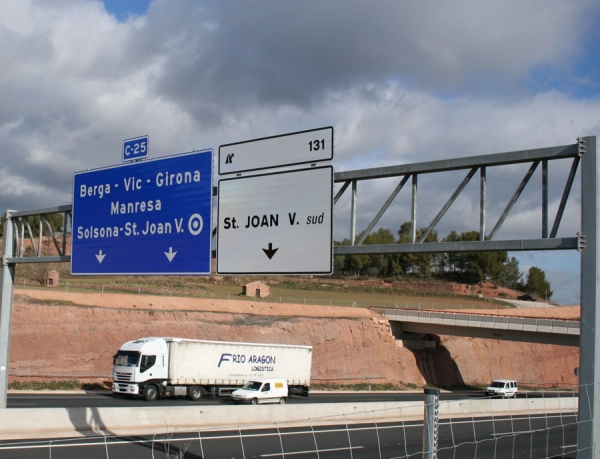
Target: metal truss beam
x,y
49,259
383,208
22,230
498,159
473,163
466,246
514,198
442,212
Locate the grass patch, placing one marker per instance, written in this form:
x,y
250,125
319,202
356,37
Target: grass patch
x,y
320,292
52,302
68,384
359,387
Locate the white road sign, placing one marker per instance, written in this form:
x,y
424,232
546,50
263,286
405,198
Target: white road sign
x,y
279,223
282,150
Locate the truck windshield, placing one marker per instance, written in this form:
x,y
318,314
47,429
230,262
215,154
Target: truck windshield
x,y
252,385
127,358
497,384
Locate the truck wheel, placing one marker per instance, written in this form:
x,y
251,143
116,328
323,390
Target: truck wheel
x,y
254,401
196,393
282,401
150,392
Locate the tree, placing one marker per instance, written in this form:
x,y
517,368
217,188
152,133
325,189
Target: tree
x,y
476,266
511,277
354,264
450,261
537,284
338,260
416,262
380,264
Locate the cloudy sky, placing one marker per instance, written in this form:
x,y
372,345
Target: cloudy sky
x,y
400,82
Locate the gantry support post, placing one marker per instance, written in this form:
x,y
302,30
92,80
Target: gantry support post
x,y
7,277
588,438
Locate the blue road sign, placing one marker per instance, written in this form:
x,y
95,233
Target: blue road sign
x,y
135,148
145,218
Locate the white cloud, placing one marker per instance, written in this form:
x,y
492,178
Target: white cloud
x,y
399,81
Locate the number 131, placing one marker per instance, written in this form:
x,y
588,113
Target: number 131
x,y
315,145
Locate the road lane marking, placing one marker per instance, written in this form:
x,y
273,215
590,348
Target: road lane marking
x,y
288,453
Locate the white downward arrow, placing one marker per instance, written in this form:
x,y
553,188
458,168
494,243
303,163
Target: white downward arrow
x,y
100,256
170,254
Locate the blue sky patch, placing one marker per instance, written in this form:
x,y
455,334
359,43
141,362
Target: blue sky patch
x,y
123,9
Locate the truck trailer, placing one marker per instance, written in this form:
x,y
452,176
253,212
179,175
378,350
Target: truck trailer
x,y
164,367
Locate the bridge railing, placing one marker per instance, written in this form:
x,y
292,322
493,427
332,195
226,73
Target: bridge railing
x,y
541,325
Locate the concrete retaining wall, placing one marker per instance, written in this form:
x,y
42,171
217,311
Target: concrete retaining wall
x,y
29,423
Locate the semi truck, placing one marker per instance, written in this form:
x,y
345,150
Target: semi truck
x,y
156,367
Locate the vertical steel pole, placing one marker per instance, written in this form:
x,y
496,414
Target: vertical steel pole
x,y
413,211
430,423
64,234
353,213
482,201
41,238
545,199
589,342
7,277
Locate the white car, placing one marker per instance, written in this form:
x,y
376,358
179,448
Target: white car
x,y
502,387
262,390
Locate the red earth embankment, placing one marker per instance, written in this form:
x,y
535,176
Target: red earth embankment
x,y
74,335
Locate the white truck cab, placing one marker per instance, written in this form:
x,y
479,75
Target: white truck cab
x,y
502,387
138,362
262,390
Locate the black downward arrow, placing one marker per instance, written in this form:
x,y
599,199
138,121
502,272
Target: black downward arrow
x,y
270,251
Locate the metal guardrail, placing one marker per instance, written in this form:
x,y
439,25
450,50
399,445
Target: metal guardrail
x,y
457,319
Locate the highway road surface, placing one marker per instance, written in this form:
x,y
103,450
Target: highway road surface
x,y
507,437
51,399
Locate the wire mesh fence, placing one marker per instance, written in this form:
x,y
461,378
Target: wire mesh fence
x,y
541,424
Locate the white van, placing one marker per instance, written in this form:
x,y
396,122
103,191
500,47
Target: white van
x,y
502,387
262,390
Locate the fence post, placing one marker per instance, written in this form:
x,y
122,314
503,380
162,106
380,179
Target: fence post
x,y
430,423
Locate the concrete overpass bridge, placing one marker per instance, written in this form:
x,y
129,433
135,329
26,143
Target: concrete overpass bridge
x,y
415,327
